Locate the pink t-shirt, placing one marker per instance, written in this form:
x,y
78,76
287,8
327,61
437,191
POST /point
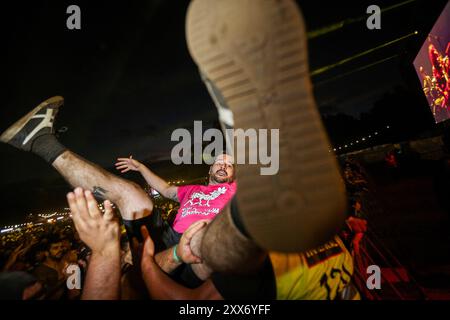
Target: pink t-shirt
x,y
199,202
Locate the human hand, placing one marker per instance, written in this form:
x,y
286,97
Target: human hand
x,y
145,252
98,231
184,251
127,164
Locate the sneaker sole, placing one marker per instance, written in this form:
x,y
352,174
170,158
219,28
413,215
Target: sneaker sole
x,y
9,133
255,53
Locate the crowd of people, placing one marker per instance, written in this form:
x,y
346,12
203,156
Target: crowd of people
x,y
42,254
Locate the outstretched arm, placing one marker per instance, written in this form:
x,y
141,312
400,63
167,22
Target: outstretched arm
x,y
127,164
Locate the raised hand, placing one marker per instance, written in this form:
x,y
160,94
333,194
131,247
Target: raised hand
x,y
98,231
184,249
144,252
127,164
101,233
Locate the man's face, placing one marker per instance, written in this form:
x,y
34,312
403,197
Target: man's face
x,y
56,251
66,245
222,170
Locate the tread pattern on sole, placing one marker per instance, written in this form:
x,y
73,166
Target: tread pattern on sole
x,y
262,73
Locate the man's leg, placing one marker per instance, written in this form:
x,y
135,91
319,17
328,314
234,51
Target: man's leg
x,y
131,200
253,56
224,248
34,133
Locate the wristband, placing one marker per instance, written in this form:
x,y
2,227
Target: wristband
x,y
174,254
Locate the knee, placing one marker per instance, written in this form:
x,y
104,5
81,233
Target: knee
x,y
130,190
133,201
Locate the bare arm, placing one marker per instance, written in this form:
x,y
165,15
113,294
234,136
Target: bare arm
x,y
161,286
103,276
165,260
168,191
160,185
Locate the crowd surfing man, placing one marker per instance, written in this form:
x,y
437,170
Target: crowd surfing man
x,y
196,201
34,132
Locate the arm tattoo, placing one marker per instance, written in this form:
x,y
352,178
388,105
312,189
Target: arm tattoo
x,y
99,192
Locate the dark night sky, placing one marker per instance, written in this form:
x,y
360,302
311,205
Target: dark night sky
x,y
128,79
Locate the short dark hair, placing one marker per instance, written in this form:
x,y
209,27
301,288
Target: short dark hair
x,y
51,240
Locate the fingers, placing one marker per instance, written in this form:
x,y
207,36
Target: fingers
x,y
189,233
144,232
135,244
149,246
81,203
74,209
92,204
123,166
109,214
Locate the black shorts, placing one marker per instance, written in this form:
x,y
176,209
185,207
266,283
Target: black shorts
x,y
162,233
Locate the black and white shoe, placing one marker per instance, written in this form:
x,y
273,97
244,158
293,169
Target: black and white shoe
x,y
253,58
36,123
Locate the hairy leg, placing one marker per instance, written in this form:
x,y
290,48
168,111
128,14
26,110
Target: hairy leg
x,y
131,200
224,249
